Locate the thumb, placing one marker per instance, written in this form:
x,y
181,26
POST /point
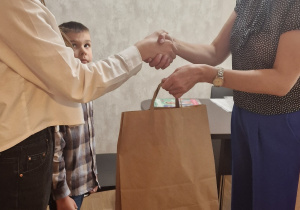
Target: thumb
x,y
163,82
161,38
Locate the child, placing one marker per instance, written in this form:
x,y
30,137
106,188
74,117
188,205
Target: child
x,y
75,171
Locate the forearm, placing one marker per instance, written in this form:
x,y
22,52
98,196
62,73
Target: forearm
x,y
212,54
197,53
60,187
263,81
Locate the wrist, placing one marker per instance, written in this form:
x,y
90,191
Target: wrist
x,y
140,46
177,46
218,80
204,73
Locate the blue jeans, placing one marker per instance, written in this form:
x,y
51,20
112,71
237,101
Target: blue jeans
x,y
78,200
26,173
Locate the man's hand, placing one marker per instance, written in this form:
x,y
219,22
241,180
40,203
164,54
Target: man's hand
x,y
149,48
161,61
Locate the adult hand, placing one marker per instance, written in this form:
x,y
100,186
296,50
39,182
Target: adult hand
x,y
185,77
149,48
66,203
161,61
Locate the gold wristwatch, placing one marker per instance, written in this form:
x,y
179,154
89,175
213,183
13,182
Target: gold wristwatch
x,y
219,80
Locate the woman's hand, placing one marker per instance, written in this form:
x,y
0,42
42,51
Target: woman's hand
x,y
185,77
162,61
149,48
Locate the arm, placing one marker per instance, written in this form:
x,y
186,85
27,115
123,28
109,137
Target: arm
x,y
60,187
211,54
32,46
276,81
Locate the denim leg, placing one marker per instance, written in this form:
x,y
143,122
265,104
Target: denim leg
x,y
78,200
26,173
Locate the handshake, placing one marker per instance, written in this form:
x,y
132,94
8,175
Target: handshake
x,y
157,49
160,49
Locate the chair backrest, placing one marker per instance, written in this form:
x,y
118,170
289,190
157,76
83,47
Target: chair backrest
x,y
106,166
220,92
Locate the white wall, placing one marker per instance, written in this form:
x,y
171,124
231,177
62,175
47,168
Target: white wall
x,y
117,24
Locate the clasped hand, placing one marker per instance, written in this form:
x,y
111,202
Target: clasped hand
x,y
157,49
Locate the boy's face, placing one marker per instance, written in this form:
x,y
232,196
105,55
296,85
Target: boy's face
x,y
82,45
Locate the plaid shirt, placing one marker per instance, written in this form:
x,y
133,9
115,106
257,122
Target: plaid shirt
x,y
74,162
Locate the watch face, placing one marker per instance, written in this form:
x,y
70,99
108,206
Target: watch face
x,y
218,82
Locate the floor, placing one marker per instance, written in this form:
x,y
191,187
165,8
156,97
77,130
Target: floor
x,y
99,201
106,200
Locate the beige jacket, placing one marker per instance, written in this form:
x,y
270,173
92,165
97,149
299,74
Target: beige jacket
x,y
41,83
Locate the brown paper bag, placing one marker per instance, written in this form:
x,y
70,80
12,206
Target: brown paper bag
x,y
165,160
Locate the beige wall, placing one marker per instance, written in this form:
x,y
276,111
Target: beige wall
x,y
117,24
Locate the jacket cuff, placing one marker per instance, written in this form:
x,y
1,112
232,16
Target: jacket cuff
x,y
61,192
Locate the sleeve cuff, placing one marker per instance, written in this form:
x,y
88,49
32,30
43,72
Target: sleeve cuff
x,y
131,57
61,192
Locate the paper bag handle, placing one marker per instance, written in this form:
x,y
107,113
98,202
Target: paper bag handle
x,y
155,95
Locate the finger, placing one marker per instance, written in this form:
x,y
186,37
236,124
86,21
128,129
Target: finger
x,y
176,93
162,62
167,63
161,38
156,60
148,60
167,84
163,80
171,52
167,36
173,55
162,32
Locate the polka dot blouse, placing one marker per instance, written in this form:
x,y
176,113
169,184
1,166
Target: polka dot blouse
x,y
254,41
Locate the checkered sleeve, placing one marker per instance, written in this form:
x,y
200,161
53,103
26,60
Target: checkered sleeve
x,y
60,187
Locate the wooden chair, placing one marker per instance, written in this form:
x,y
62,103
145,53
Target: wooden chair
x,y
223,162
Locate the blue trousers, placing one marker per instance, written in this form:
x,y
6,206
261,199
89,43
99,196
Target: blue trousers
x,y
77,198
26,173
265,160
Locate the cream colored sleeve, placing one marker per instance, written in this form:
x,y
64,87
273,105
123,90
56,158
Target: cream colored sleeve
x,y
32,46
